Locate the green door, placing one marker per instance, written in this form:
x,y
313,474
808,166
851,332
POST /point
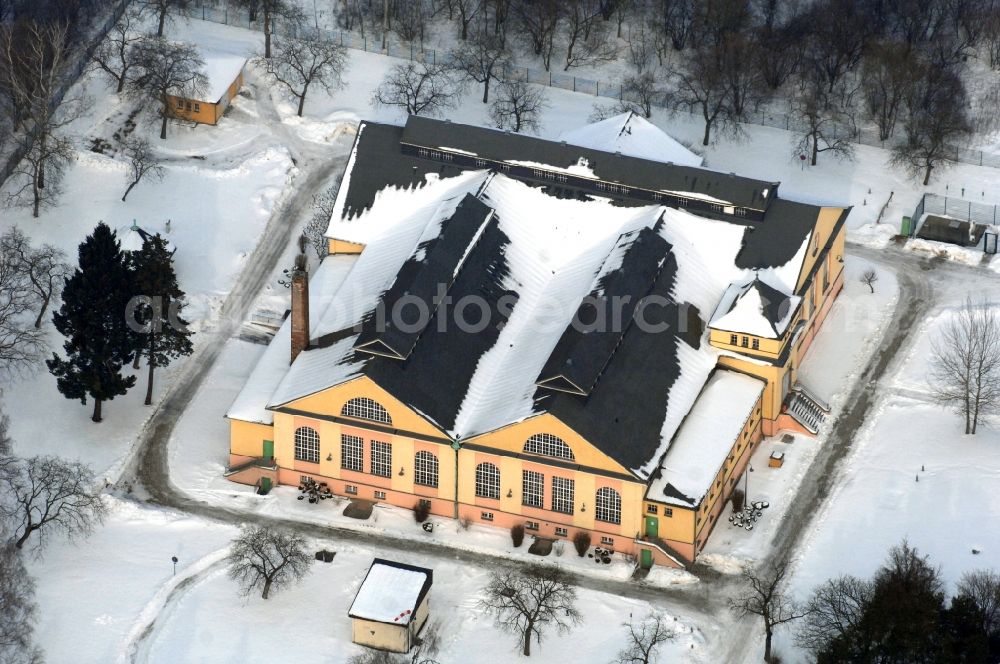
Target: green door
x,y
268,449
646,558
652,526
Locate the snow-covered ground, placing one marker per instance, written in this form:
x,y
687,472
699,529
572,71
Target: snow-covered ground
x,y
221,185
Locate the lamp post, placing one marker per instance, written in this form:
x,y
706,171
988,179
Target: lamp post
x,y
746,484
173,559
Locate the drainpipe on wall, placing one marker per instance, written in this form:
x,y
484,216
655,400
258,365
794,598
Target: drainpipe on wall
x,y
456,445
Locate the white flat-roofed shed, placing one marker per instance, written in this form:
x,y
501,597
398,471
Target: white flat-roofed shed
x,y
391,606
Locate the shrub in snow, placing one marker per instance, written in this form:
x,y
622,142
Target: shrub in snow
x,y
421,511
581,541
464,523
517,534
737,499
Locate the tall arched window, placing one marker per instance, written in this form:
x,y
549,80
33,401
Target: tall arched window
x,y
609,505
548,445
366,409
488,481
306,445
425,469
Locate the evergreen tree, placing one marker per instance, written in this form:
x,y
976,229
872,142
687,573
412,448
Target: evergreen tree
x,y
165,336
92,318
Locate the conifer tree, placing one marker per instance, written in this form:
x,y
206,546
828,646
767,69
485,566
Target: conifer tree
x,y
165,336
92,318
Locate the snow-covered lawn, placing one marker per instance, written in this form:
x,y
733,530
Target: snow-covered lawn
x,y
114,598
912,475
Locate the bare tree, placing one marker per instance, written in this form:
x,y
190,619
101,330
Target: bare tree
x,y
826,117
701,88
44,268
869,278
645,639
886,82
991,35
838,37
262,558
271,11
21,345
936,117
298,63
743,78
482,59
585,35
538,22
641,46
644,91
17,597
164,11
763,596
6,442
418,88
47,494
834,611
323,209
965,363
982,586
467,10
142,162
527,602
518,107
115,56
32,66
167,69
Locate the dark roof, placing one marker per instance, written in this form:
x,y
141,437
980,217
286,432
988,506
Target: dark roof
x,y
611,167
625,410
379,162
433,266
588,343
776,303
434,377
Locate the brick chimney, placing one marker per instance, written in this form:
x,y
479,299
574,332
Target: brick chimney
x,y
300,307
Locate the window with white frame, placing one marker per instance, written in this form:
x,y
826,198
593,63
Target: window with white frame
x,y
351,489
562,495
352,451
486,516
531,525
381,459
488,481
425,469
306,445
548,445
532,488
608,504
561,532
379,495
366,409
651,509
608,541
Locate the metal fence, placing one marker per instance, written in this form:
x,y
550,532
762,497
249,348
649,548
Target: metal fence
x,y
956,208
75,68
219,11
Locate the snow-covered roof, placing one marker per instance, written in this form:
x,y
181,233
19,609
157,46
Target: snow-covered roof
x,y
391,592
634,136
250,404
221,69
131,237
755,307
704,440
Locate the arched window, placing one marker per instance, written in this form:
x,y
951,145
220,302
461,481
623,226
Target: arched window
x,y
609,505
488,481
425,469
306,445
366,409
548,445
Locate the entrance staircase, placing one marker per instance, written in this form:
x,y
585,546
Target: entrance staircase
x,y
807,409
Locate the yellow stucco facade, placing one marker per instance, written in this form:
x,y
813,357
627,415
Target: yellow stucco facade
x,y
644,524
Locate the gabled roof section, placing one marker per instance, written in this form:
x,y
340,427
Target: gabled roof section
x,y
604,316
520,149
632,136
755,308
423,281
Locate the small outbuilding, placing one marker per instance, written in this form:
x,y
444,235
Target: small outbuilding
x,y
391,606
224,72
